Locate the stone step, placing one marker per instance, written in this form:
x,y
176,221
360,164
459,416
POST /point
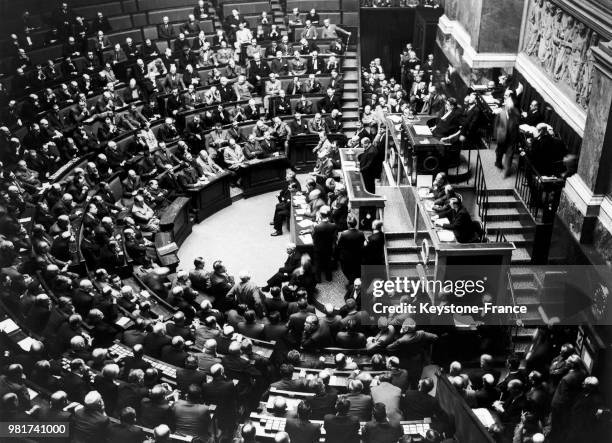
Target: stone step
x,y
520,255
400,242
350,115
350,76
349,133
500,214
514,226
351,87
349,95
500,191
351,126
503,199
401,270
517,239
403,257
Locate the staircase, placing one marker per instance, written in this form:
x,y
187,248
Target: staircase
x,y
279,16
507,214
350,95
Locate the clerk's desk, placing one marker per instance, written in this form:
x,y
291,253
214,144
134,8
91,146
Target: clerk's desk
x,y
361,200
450,260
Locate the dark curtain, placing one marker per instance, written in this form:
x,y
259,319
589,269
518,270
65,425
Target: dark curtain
x,y
384,32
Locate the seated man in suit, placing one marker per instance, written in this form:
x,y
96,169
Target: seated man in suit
x,y
447,127
166,31
461,223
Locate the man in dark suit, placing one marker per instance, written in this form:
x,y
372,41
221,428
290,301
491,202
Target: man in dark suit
x,y
90,423
189,375
341,427
350,249
329,102
191,417
533,116
565,395
298,125
448,124
284,273
370,161
126,430
374,249
486,367
360,403
258,70
324,239
323,403
472,119
222,392
418,404
506,134
300,429
461,223
166,31
380,430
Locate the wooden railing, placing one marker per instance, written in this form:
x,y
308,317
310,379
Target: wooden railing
x,y
540,194
480,191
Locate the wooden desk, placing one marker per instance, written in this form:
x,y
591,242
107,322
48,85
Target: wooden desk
x,y
264,175
267,426
301,243
300,153
175,219
357,194
454,260
428,153
212,197
338,379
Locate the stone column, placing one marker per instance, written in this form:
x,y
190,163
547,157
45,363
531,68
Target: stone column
x,y
586,196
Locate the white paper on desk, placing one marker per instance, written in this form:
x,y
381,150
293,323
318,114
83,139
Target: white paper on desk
x,y
443,221
446,235
25,220
8,326
429,204
484,416
422,130
301,211
306,239
122,321
26,343
424,181
306,223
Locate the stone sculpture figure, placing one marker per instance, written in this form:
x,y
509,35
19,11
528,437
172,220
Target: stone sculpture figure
x,y
585,83
546,29
564,48
556,41
534,28
577,56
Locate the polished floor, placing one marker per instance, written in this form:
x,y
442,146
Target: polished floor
x,y
240,236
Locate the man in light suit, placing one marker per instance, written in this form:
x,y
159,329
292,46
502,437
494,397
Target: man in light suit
x,y
173,80
309,32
